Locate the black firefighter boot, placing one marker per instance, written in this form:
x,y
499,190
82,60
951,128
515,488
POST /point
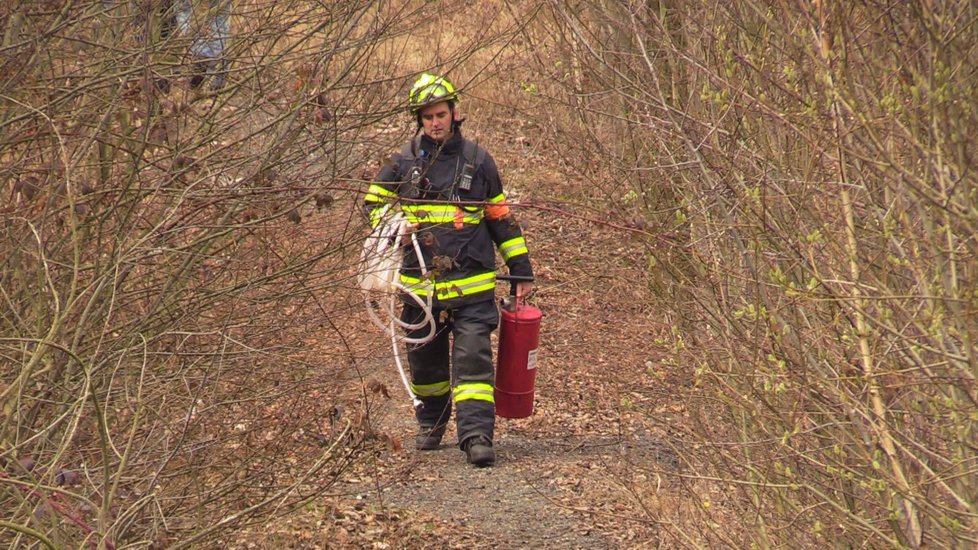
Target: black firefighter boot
x,y
478,451
432,418
429,437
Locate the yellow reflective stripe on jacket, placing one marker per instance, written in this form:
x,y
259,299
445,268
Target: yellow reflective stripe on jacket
x,y
512,248
446,290
438,213
376,215
431,390
498,199
416,286
379,193
473,390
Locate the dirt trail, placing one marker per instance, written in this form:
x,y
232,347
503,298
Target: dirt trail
x,y
547,489
510,505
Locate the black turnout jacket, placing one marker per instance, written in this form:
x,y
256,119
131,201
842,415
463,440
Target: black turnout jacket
x,y
453,194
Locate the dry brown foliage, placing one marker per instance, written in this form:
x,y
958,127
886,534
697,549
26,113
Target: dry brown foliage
x,y
792,180
802,174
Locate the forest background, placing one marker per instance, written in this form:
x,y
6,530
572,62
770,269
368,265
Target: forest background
x,y
766,208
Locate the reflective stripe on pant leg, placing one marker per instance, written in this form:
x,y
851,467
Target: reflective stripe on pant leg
x,y
472,374
429,369
431,390
473,390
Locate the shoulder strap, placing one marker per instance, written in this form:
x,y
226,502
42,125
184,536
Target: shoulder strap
x,y
474,157
409,151
474,154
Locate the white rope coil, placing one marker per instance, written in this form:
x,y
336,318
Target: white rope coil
x,y
381,286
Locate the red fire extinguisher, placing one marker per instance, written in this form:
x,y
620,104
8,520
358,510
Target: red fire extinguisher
x,y
516,361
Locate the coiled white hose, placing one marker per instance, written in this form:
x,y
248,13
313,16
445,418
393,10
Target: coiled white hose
x,y
380,262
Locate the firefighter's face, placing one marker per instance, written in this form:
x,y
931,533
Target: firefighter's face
x,y
436,121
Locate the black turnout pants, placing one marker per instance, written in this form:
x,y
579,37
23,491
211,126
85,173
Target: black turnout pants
x,y
469,374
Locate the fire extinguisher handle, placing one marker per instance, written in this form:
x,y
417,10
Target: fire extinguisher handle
x,y
513,280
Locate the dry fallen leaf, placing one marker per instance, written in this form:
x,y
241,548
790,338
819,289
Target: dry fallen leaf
x,y
379,388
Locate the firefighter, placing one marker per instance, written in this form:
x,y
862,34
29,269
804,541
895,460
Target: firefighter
x,y
451,195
